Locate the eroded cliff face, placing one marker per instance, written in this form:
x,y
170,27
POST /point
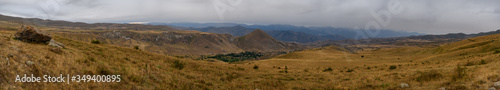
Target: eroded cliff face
x,y
184,42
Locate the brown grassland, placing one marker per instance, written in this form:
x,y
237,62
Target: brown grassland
x,y
468,64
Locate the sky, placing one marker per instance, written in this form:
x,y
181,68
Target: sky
x,y
424,16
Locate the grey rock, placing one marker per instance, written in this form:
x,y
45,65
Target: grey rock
x,y
29,63
442,88
492,88
54,43
404,85
8,61
29,33
497,84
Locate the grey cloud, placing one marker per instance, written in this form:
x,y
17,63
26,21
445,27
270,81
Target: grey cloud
x,y
428,16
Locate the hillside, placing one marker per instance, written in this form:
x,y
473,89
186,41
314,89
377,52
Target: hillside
x,y
411,41
82,26
260,41
183,43
152,38
138,69
468,64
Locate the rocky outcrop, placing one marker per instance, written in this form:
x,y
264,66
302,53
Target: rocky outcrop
x,y
29,33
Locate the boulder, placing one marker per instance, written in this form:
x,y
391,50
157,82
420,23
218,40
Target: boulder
x,y
492,88
29,33
54,43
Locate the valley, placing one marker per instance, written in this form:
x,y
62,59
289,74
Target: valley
x,y
166,59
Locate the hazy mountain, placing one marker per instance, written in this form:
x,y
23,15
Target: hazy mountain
x,y
281,35
345,32
325,33
195,25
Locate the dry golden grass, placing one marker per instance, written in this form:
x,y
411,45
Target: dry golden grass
x,y
421,68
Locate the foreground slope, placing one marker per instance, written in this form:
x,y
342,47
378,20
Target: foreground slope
x,y
138,69
468,64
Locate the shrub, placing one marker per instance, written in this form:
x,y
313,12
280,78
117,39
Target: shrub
x,y
286,69
459,73
329,69
136,47
95,42
392,67
103,70
483,62
350,70
178,64
255,67
427,76
496,51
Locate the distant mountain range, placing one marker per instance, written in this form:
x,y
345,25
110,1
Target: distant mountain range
x,y
289,33
60,24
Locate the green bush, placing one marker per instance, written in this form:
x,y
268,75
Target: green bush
x,y
255,67
178,64
95,42
392,67
234,57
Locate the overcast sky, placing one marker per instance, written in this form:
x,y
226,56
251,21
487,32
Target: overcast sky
x,y
425,16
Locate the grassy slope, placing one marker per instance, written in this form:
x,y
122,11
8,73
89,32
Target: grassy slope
x,y
139,69
372,70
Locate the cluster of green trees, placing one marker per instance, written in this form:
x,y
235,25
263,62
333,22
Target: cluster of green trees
x,y
233,57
